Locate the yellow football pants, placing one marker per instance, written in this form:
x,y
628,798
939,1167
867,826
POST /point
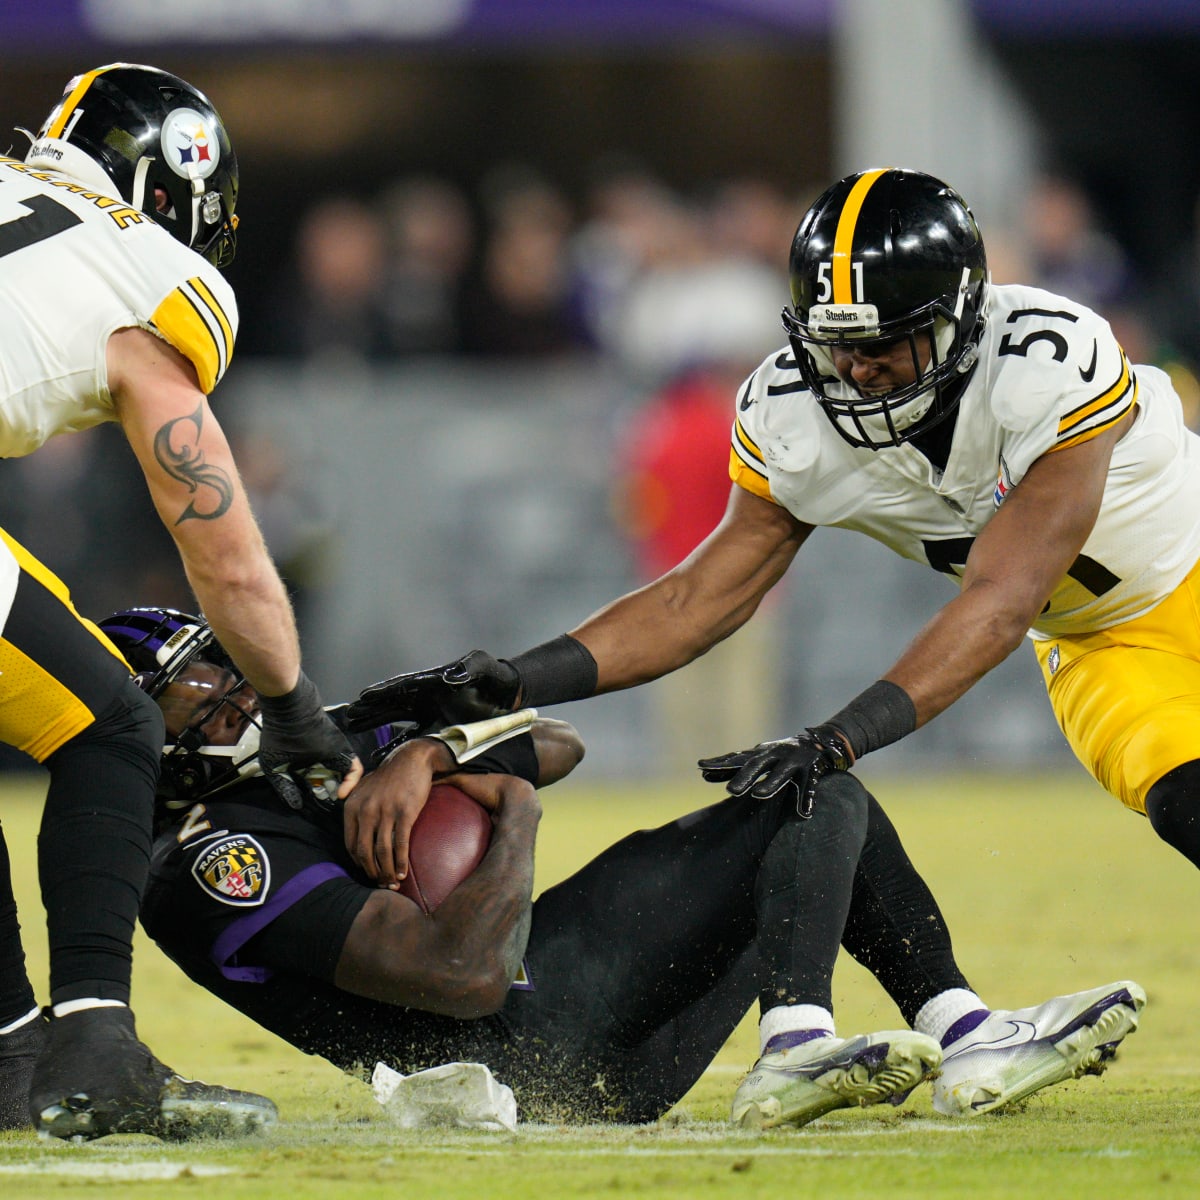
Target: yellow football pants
x,y
57,670
1128,698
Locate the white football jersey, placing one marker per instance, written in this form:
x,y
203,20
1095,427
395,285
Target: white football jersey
x,y
76,265
1050,375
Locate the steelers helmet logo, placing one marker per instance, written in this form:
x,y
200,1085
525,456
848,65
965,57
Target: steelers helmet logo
x,y
190,144
234,870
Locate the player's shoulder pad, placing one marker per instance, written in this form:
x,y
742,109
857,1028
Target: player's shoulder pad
x,y
1046,355
199,318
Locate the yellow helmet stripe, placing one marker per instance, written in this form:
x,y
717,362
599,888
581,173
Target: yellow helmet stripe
x,y
843,238
71,102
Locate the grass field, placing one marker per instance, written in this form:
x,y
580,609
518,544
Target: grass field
x,y
1049,886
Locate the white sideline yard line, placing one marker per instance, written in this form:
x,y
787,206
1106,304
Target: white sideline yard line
x,y
117,1171
714,1152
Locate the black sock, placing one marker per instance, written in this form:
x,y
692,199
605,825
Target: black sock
x,y
803,892
16,992
895,928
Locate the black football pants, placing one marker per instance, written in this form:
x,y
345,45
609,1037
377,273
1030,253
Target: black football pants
x,y
643,962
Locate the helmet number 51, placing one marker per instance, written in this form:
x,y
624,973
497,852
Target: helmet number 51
x,y
825,282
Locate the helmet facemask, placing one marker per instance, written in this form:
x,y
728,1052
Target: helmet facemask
x,y
876,420
884,261
211,714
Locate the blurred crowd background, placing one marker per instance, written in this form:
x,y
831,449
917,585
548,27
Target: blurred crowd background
x,y
502,265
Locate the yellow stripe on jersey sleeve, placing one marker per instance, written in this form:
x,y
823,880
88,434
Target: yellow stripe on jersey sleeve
x,y
1096,415
747,468
195,324
1077,416
217,311
1093,430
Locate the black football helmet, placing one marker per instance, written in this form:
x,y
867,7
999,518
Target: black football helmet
x,y
883,257
179,662
147,129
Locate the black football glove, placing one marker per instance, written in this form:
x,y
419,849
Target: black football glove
x,y
472,688
302,752
798,762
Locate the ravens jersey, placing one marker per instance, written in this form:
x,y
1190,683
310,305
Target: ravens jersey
x,y
76,265
1050,375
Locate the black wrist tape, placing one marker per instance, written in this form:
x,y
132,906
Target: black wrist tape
x,y
883,714
559,670
294,707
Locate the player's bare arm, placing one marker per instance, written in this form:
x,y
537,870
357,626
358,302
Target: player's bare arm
x,y
460,959
1013,567
378,817
194,484
640,637
710,595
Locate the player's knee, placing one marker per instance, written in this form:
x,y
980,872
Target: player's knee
x,y
843,796
130,729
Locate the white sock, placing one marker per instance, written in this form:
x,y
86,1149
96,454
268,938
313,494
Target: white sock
x,y
786,1018
67,1007
937,1015
29,1016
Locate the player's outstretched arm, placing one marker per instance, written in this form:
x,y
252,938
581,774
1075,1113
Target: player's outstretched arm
x,y
1013,569
194,483
710,595
460,959
642,636
195,486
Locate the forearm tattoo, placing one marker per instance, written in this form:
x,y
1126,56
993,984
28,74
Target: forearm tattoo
x,y
176,446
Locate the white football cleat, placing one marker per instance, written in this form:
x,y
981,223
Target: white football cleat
x,y
1012,1054
796,1082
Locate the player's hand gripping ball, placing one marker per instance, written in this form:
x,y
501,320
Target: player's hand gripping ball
x,y
449,839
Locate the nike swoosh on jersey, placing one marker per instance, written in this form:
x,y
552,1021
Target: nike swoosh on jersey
x,y
1086,375
747,399
1019,1033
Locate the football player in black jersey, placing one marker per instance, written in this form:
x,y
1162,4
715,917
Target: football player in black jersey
x,y
607,996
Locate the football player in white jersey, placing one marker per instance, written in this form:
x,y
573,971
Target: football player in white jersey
x,y
111,233
998,434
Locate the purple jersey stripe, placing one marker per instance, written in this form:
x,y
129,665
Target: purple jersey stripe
x,y
237,933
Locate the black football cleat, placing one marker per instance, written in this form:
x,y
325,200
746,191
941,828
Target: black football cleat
x,y
95,1078
19,1052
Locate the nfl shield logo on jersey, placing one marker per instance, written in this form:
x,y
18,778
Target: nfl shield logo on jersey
x,y
233,870
1052,659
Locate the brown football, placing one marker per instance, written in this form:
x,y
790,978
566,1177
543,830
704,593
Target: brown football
x,y
448,840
